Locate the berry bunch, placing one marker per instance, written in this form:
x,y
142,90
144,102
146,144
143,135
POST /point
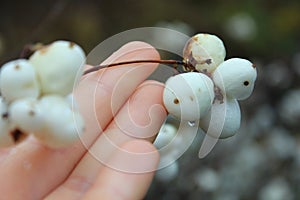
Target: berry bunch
x,y
209,91
36,93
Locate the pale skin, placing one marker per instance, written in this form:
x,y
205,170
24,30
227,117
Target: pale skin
x,y
116,103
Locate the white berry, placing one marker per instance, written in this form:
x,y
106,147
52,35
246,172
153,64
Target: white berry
x,y
165,136
58,65
188,96
168,173
236,78
18,79
205,52
27,115
62,125
224,119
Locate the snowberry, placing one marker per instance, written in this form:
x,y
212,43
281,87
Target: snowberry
x,y
18,79
165,135
188,96
168,173
235,77
62,126
57,66
223,120
205,52
27,115
207,179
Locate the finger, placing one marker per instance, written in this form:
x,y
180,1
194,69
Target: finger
x,y
113,184
3,154
144,118
102,93
140,118
35,169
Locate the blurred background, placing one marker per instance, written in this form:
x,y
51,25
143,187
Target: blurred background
x,y
263,160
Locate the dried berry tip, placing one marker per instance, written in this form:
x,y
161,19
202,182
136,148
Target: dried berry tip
x,y
17,135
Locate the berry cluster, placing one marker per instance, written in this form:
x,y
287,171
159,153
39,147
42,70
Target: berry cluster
x,y
36,93
36,96
209,92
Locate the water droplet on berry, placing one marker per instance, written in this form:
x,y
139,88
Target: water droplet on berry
x,y
191,123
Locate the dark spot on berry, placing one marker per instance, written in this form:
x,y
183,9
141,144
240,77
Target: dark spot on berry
x,y
246,83
5,115
71,44
208,61
17,67
191,98
176,101
191,62
44,49
218,95
254,65
18,135
31,113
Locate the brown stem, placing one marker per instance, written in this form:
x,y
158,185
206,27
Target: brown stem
x,y
174,64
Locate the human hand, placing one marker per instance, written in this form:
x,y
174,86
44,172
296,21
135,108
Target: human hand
x,y
118,106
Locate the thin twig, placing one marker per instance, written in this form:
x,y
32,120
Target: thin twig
x,y
174,64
